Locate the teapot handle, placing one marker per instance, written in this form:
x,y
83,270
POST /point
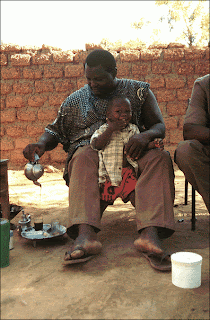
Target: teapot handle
x,y
36,157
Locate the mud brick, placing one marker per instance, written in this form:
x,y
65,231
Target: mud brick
x,y
42,58
173,54
141,68
170,123
81,83
129,55
194,53
123,70
53,72
8,115
27,114
191,81
47,113
185,68
72,71
181,122
161,67
3,59
20,60
21,143
37,100
6,88
58,155
63,57
176,135
176,45
15,130
150,54
80,57
57,99
3,103
10,73
202,68
35,129
15,102
17,157
165,95
175,108
184,94
155,81
64,85
44,86
175,82
2,130
92,46
171,149
23,87
7,144
29,73
10,47
207,53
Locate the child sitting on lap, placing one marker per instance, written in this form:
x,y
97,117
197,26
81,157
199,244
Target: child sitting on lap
x,y
117,172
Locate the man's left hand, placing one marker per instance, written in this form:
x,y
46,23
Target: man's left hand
x,y
136,145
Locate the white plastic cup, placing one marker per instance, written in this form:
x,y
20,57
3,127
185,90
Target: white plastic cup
x,y
186,269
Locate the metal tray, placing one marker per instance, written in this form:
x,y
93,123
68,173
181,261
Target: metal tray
x,y
31,234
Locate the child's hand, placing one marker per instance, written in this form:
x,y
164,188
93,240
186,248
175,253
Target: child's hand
x,y
157,143
116,125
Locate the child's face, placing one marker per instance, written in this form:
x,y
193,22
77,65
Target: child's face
x,y
120,110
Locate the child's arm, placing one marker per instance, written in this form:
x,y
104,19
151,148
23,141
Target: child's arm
x,y
100,142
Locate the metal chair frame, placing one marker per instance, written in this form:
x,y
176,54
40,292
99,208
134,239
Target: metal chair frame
x,y
193,219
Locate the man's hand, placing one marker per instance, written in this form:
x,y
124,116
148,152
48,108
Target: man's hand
x,y
33,148
136,145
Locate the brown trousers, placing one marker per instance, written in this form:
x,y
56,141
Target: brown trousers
x,y
154,192
193,159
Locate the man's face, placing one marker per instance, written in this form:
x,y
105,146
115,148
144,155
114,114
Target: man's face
x,y
100,81
120,110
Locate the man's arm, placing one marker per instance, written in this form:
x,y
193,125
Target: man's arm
x,y
46,142
197,132
154,124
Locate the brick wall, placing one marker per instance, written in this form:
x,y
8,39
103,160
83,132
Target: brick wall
x,y
35,81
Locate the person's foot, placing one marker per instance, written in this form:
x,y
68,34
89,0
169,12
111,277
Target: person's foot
x,y
85,243
149,241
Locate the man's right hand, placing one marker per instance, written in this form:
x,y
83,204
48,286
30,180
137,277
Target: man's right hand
x,y
33,148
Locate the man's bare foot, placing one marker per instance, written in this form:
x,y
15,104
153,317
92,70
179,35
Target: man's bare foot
x,y
87,240
149,241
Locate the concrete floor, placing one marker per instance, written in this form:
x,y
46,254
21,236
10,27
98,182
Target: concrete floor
x,y
117,284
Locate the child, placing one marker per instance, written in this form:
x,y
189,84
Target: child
x,y
117,172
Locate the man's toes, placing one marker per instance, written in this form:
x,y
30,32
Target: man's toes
x,y
76,254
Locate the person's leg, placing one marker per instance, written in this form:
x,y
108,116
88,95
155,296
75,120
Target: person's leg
x,y
154,199
193,159
84,203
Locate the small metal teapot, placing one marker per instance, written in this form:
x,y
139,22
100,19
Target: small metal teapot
x,y
34,170
25,223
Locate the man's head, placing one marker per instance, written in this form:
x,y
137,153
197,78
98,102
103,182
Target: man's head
x,y
119,108
100,71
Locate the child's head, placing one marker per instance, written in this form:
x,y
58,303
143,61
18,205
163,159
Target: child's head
x,y
119,108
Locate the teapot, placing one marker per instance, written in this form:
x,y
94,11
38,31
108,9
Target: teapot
x,y
34,170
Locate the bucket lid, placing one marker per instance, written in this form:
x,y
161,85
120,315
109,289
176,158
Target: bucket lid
x,y
186,258
3,221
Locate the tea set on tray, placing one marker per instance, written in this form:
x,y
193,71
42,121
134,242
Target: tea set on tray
x,y
33,171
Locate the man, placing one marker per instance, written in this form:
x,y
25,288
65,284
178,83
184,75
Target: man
x,y
79,116
193,155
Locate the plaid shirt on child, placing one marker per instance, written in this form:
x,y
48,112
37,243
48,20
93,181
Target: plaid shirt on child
x,y
111,158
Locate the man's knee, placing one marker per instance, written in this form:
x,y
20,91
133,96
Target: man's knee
x,y
186,150
85,155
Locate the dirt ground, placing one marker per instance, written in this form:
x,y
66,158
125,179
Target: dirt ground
x,y
117,284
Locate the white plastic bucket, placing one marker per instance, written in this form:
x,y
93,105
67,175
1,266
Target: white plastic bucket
x,y
186,269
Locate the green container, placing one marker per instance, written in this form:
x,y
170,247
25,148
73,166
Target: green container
x,y
4,242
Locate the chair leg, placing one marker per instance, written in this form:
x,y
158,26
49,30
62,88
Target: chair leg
x,y
193,210
186,192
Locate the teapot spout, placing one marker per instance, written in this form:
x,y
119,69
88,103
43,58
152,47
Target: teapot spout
x,y
37,183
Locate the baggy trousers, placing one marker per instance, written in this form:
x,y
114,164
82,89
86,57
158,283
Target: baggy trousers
x,y
193,159
154,192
